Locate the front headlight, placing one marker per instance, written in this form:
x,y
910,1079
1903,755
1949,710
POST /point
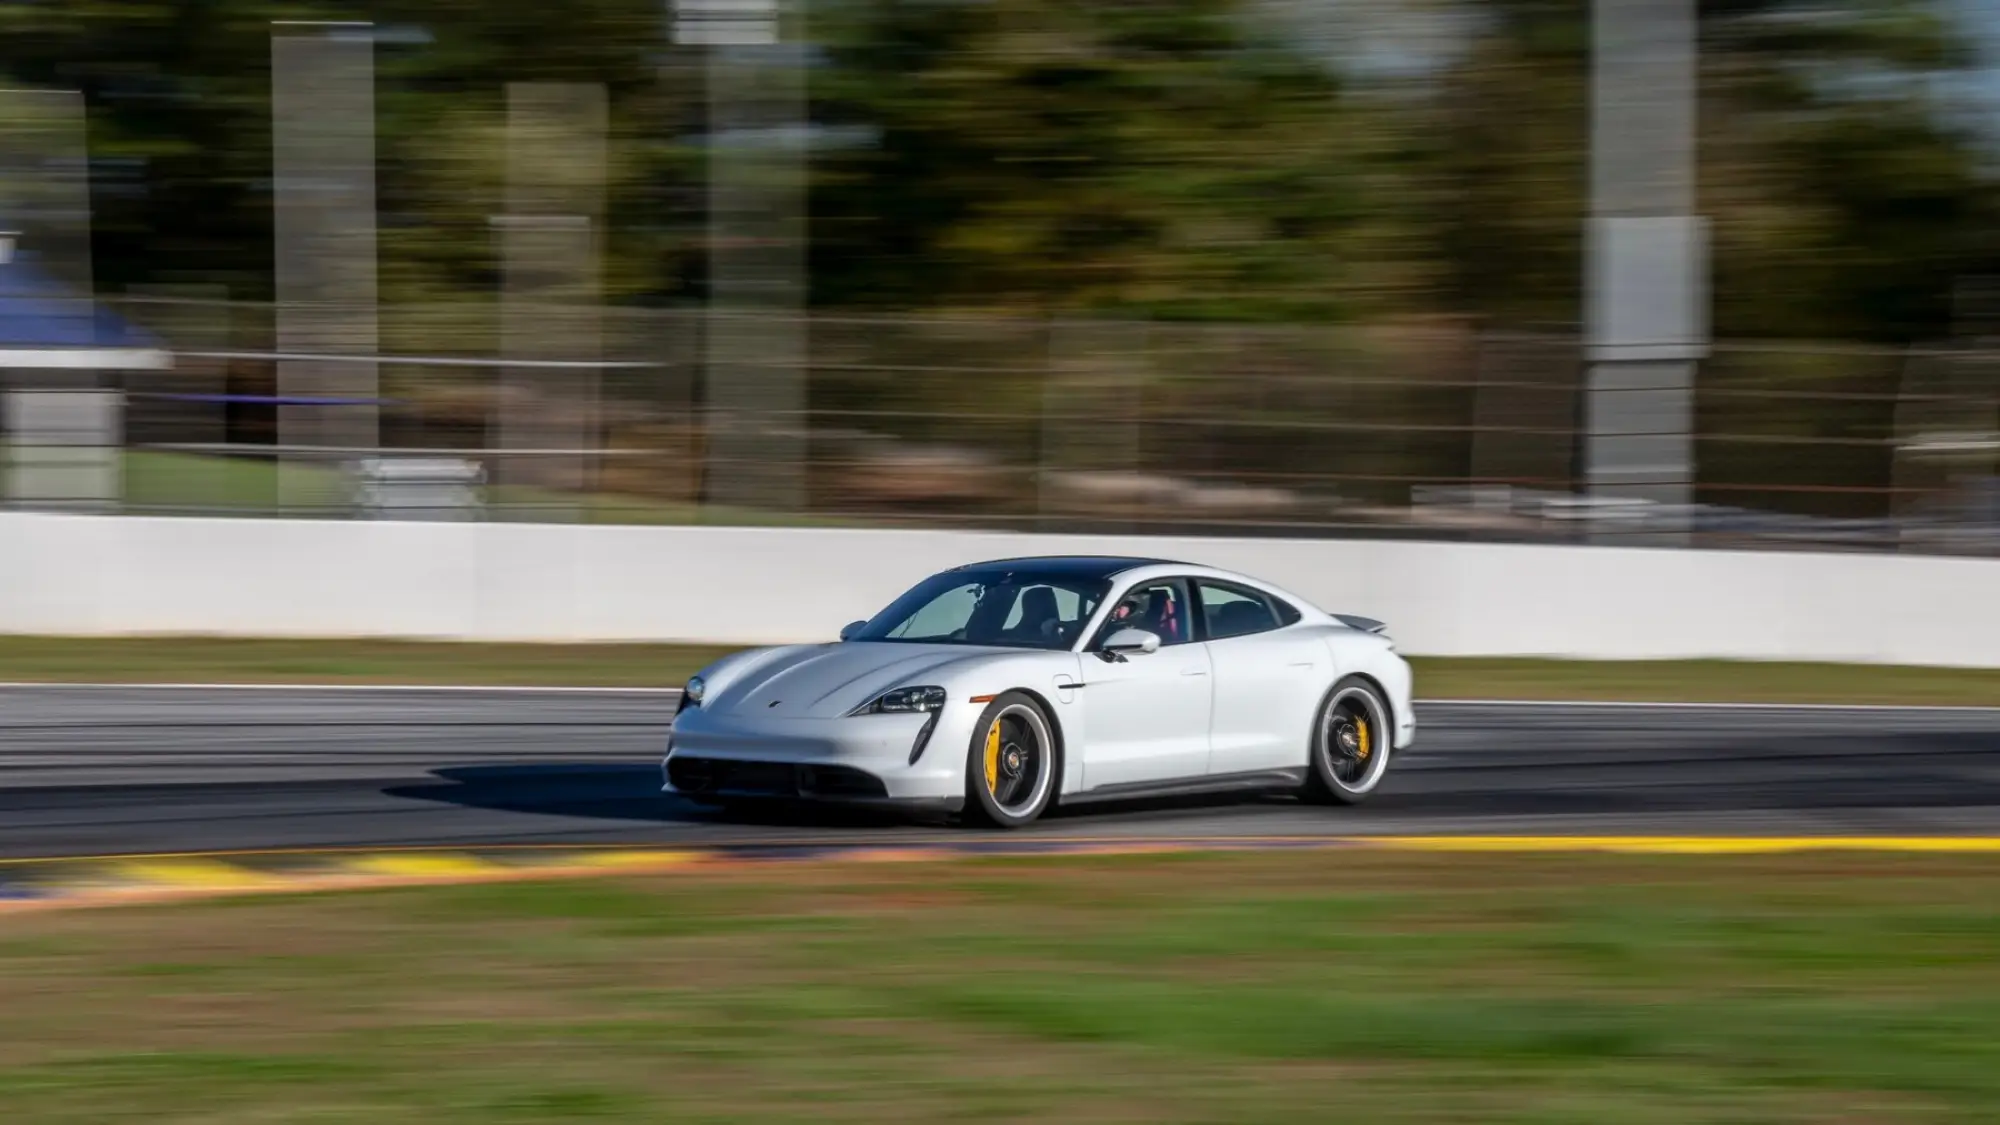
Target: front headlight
x,y
904,701
692,693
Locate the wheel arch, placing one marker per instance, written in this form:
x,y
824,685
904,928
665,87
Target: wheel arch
x,y
1363,657
1381,694
1371,681
1056,731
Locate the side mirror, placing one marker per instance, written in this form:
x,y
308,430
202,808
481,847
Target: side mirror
x,y
848,630
1126,641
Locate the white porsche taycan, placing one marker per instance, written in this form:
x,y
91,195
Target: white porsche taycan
x,y
999,689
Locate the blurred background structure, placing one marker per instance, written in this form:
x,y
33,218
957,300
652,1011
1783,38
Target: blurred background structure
x,y
1716,273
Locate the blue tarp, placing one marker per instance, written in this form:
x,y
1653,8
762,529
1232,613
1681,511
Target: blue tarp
x,y
37,311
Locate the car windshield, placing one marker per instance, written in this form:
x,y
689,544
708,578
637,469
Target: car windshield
x,y
1009,609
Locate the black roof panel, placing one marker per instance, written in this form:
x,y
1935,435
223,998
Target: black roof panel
x,y
1072,566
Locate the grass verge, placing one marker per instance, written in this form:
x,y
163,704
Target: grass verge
x,y
1398,988
215,660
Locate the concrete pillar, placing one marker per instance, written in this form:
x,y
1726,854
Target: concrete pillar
x,y
61,425
755,341
324,221
45,191
551,323
1646,274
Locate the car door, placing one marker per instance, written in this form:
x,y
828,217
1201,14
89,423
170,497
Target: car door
x,y
1267,678
1146,716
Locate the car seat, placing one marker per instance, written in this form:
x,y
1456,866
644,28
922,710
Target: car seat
x,y
1041,617
1236,619
1162,617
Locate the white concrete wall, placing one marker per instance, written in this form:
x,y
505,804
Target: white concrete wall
x,y
84,575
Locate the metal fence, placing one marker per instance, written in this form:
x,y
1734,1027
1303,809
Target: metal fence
x,y
1427,430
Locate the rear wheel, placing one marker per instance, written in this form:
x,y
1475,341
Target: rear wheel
x,y
1012,764
1350,747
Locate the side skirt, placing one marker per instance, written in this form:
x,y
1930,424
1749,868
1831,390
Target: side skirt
x,y
1254,782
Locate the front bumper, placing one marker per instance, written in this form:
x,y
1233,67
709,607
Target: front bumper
x,y
863,759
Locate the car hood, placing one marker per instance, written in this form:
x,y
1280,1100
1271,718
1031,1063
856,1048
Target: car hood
x,y
827,681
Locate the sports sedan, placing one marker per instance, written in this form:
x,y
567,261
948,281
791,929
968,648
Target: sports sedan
x,y
996,690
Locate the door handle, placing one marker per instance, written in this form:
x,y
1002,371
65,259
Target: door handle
x,y
1194,671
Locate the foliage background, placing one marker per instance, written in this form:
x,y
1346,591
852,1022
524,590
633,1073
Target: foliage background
x,y
1242,160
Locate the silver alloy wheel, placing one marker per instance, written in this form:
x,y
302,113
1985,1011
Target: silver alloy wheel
x,y
1018,757
1354,740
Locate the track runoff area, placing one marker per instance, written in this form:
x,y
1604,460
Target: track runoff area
x,y
123,793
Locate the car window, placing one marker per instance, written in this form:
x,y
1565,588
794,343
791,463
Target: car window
x,y
1231,612
1065,605
943,615
1008,609
1160,608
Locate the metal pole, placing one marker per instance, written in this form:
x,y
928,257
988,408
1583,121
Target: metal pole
x,y
1646,276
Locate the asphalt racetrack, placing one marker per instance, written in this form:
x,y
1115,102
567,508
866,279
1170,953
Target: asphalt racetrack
x,y
118,770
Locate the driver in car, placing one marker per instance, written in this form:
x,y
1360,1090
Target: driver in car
x,y
1155,611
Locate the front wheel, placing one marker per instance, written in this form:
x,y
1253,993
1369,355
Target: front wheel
x,y
1350,746
1012,765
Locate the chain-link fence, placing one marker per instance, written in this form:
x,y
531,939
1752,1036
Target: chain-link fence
x,y
1428,430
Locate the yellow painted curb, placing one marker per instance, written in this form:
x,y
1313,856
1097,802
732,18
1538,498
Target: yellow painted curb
x,y
647,860
91,881
1687,845
194,875
423,865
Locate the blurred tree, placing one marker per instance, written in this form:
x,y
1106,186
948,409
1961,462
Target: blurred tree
x,y
1172,158
1845,201
444,138
1862,200
1151,156
181,130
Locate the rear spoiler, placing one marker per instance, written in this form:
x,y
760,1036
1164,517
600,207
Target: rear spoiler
x,y
1365,624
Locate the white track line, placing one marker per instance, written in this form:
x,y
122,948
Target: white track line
x,y
1684,706
486,689
671,692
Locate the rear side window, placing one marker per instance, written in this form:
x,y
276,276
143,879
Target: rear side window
x,y
1232,611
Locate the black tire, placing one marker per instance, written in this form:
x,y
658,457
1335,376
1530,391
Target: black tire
x,y
1352,735
1026,763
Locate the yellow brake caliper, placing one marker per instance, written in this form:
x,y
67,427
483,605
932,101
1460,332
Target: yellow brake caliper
x,y
1361,737
993,757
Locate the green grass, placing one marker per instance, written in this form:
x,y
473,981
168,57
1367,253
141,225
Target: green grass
x,y
1718,681
220,660
182,482
1346,986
